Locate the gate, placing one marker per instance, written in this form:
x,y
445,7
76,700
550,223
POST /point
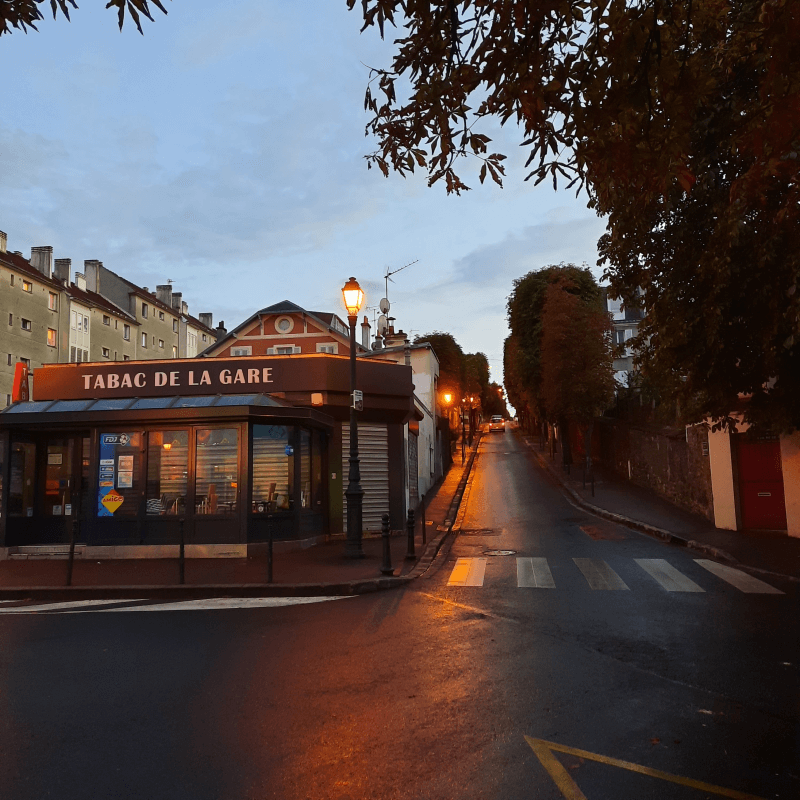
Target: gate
x,y
761,494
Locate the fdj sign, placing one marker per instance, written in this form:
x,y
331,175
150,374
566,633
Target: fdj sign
x,y
118,452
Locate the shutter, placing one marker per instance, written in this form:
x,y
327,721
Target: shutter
x,y
270,351
413,470
297,349
373,455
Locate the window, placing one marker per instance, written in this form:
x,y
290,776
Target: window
x,y
167,472
174,351
116,357
284,324
242,351
144,310
161,343
126,332
328,348
9,359
85,324
26,361
74,320
116,324
174,326
12,280
273,469
52,301
106,352
10,319
161,315
73,355
106,319
126,358
205,338
119,474
286,351
216,471
144,339
26,324
51,337
27,286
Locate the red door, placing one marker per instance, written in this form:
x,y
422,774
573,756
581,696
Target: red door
x,y
761,483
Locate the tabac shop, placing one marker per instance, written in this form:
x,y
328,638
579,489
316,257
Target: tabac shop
x,y
236,449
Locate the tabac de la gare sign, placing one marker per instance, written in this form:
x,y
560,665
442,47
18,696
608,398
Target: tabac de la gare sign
x,y
209,376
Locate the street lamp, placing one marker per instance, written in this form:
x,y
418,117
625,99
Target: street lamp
x,y
353,299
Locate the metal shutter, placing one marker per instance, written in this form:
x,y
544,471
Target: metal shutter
x,y
373,456
413,470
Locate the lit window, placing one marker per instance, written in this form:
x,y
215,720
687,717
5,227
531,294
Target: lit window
x,y
52,302
26,324
144,310
106,319
126,332
51,337
27,286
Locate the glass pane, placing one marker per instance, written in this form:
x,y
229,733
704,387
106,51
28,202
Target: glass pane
x,y
237,400
167,472
305,469
118,476
316,470
69,405
216,471
58,477
196,402
273,468
153,402
27,408
111,404
22,479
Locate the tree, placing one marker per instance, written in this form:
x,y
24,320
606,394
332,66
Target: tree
x,y
522,353
682,122
451,361
24,14
576,358
494,403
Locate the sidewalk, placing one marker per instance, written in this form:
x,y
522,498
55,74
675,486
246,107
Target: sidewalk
x,y
621,501
319,570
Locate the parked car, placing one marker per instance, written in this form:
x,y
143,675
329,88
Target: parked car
x,y
497,424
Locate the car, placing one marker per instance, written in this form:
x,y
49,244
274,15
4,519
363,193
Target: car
x,y
497,423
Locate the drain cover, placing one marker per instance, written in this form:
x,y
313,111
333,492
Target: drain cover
x,y
478,532
499,552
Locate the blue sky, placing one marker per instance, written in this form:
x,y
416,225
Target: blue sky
x,y
224,150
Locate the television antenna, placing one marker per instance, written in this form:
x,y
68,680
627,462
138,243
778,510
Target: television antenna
x,y
389,272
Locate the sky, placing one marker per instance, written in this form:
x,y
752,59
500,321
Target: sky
x,y
224,151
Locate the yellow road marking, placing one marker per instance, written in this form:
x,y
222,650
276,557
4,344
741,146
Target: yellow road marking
x,y
562,779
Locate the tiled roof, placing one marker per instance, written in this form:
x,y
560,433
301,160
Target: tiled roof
x,y
24,267
92,298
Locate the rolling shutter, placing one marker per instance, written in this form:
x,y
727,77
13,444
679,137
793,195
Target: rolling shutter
x,y
413,470
373,456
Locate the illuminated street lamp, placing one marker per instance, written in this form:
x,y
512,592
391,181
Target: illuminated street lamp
x,y
353,299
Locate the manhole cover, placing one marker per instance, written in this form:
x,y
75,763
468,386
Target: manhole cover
x,y
499,552
478,532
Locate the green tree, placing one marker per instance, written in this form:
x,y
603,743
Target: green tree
x,y
682,122
576,358
24,14
494,403
451,361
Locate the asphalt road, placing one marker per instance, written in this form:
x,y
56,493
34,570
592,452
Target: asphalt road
x,y
586,661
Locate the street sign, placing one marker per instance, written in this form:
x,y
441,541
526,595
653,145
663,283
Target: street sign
x,y
358,400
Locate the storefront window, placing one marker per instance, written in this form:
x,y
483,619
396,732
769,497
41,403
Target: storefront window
x,y
58,478
216,471
305,469
318,440
167,472
22,479
273,468
118,476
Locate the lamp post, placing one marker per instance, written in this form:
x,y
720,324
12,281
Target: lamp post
x,y
448,398
353,299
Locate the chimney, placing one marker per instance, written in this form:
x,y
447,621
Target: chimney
x,y
3,242
184,309
62,270
365,331
91,269
220,330
207,319
42,259
80,281
177,299
164,293
394,339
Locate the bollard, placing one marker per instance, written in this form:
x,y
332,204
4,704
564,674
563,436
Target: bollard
x,y
269,548
386,567
410,525
182,553
424,524
73,535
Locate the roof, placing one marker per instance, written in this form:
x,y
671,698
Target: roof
x,y
139,290
92,298
23,266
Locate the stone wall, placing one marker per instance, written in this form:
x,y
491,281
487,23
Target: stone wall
x,y
672,462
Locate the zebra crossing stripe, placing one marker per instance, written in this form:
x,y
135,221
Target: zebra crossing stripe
x,y
468,572
667,575
534,572
735,577
599,575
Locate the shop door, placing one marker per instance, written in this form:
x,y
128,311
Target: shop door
x,y
761,483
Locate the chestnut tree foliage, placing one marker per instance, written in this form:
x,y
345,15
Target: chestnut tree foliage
x,y
24,14
680,119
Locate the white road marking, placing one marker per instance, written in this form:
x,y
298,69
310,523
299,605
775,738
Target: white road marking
x,y
534,572
468,572
209,604
735,577
667,575
599,575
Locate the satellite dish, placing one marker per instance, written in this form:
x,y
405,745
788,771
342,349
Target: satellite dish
x,y
384,306
382,324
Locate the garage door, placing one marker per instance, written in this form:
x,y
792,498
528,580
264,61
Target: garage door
x,y
373,455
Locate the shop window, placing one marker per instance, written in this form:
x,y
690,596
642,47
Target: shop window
x,y
305,469
273,468
51,337
167,472
22,479
118,476
216,471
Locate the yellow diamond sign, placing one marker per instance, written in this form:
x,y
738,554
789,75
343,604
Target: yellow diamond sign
x,y
112,501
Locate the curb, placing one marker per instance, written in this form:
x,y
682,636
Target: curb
x,y
652,530
203,591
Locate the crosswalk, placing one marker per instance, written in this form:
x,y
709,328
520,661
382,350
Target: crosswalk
x,y
536,573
